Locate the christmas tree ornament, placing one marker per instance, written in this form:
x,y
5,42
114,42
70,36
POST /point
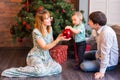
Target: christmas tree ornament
x,y
27,5
16,25
19,39
63,11
40,8
53,0
27,27
67,33
24,23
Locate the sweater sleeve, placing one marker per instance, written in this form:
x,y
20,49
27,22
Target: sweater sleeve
x,y
105,46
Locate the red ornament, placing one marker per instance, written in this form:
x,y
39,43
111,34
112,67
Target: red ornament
x,y
27,5
40,8
16,25
28,27
19,39
53,0
63,11
67,33
24,23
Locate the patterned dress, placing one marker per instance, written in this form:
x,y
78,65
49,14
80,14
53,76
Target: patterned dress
x,y
39,61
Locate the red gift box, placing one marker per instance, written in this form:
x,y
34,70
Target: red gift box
x,y
59,53
88,47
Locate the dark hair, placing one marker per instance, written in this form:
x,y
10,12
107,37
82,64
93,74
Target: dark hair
x,y
98,17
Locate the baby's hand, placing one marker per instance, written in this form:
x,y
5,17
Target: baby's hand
x,y
68,27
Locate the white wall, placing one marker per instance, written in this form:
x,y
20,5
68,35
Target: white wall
x,y
83,5
109,7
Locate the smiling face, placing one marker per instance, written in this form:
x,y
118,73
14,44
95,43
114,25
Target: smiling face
x,y
43,22
97,19
92,25
47,20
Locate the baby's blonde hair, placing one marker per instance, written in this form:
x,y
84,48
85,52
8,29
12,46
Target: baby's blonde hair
x,y
79,14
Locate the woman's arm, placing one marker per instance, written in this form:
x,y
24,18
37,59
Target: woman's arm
x,y
45,46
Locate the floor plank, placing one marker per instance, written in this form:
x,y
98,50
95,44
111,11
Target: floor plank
x,y
15,57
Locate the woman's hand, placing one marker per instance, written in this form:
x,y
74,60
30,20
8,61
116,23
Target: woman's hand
x,y
62,38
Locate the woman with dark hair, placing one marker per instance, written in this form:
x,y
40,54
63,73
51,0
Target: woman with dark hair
x,y
106,56
39,61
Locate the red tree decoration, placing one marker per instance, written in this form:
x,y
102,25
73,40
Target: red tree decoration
x,y
27,5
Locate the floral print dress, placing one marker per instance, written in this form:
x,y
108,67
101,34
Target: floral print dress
x,y
39,61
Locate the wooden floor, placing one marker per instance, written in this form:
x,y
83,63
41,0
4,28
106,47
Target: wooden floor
x,y
15,57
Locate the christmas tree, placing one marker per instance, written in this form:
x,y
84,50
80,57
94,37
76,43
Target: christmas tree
x,y
60,10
